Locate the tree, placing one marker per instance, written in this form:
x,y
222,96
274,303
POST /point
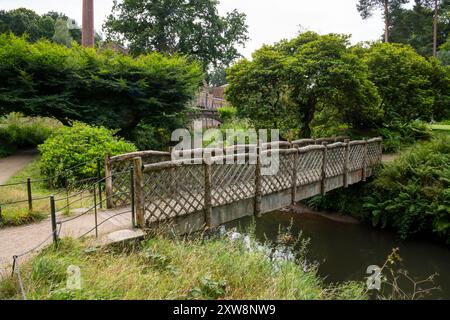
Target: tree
x,y
289,82
62,34
191,27
402,77
419,26
106,88
366,8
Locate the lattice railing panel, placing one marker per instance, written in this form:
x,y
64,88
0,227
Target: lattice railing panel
x,y
232,182
309,167
356,155
335,161
121,188
374,153
280,179
173,192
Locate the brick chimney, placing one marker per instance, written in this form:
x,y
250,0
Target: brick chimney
x,y
87,39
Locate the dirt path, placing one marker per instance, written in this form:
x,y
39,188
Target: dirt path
x,y
17,240
12,164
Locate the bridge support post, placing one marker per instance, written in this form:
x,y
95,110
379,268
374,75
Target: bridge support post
x,y
257,204
208,187
294,176
364,170
108,182
323,182
139,192
346,162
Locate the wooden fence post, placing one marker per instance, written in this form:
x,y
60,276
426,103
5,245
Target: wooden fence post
x,y
108,182
323,182
208,187
139,192
294,176
364,170
346,161
258,191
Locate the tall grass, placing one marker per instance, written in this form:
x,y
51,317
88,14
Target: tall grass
x,y
162,268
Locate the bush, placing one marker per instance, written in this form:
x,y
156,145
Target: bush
x,y
19,132
227,113
147,137
80,145
398,134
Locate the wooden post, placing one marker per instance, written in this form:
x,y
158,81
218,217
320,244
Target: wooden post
x,y
139,192
346,161
108,182
30,197
53,220
323,182
258,191
364,170
208,187
294,176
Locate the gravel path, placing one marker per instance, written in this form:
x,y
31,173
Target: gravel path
x,y
12,164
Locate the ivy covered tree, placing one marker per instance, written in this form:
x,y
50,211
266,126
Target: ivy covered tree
x,y
106,88
286,84
388,7
191,27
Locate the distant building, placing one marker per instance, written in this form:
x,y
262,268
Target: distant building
x,y
211,98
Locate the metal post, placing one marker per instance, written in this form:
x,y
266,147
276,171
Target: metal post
x,y
323,182
1,217
53,218
30,197
99,176
108,183
133,218
95,212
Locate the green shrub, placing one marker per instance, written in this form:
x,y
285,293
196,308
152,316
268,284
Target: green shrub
x,y
227,113
19,132
397,134
147,137
78,146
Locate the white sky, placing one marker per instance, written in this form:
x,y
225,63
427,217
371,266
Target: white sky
x,y
269,20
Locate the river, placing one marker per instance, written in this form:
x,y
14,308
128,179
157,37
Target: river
x,y
345,250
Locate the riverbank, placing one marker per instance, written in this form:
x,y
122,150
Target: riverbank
x,y
162,268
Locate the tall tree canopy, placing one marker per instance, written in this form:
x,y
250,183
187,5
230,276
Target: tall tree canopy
x,y
388,7
191,27
24,21
288,83
106,88
411,87
414,26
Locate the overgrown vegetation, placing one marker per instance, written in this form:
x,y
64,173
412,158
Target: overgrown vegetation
x,y
162,268
18,132
410,195
70,154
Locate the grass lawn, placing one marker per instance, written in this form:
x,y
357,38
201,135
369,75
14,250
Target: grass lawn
x,y
18,214
441,127
162,268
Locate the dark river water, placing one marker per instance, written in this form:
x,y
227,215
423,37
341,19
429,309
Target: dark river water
x,y
345,250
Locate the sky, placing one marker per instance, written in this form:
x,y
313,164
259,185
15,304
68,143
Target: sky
x,y
269,20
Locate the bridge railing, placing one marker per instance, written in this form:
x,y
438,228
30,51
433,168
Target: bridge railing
x,y
213,189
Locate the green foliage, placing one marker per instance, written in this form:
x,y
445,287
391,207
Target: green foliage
x,y
227,113
105,88
397,135
286,84
414,26
194,28
78,146
62,34
18,132
147,137
404,82
23,21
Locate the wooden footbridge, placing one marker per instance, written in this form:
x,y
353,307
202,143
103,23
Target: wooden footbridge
x,y
209,187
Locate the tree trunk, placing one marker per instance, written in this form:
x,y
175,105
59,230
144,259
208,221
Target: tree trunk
x,y
308,116
386,21
435,19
